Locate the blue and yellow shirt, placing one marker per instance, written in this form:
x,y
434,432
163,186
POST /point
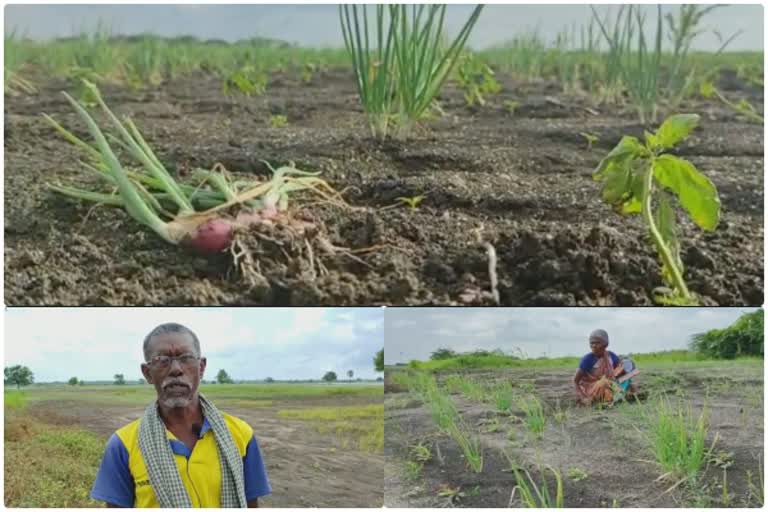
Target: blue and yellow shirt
x,y
123,479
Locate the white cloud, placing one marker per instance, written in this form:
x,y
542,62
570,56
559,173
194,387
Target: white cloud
x,y
95,343
414,334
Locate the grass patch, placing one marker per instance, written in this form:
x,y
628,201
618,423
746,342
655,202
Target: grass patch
x,y
538,496
469,387
258,393
49,466
444,414
15,399
535,419
503,396
360,426
489,361
251,403
412,470
679,441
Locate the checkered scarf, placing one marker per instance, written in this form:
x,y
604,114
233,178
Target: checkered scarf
x,y
163,473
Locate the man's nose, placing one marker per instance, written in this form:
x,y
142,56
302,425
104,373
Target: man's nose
x,y
175,367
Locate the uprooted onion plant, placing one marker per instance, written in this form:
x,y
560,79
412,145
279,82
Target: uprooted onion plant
x,y
213,213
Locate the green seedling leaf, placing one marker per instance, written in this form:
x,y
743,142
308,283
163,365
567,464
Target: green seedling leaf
x,y
278,121
412,202
591,138
745,107
628,147
639,179
675,129
696,193
577,474
706,89
618,180
633,204
511,106
651,140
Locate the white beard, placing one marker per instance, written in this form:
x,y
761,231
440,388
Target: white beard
x,y
175,402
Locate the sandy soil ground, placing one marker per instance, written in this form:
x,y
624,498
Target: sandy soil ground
x,y
305,468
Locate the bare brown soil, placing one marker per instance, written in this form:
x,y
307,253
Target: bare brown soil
x,y
306,468
609,445
522,182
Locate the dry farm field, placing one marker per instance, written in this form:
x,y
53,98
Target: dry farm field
x,y
488,198
468,438
322,444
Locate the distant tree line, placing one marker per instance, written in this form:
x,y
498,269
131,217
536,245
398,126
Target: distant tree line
x,y
742,338
19,375
447,353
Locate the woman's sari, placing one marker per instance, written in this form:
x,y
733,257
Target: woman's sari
x,y
598,385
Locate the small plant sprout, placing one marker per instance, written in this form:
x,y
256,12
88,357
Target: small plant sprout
x,y
591,138
726,496
503,395
756,489
413,469
577,474
743,107
537,496
534,415
421,452
246,81
452,494
412,202
278,121
641,179
476,79
511,106
308,72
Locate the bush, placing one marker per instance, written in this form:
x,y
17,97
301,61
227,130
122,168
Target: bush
x,y
743,338
441,354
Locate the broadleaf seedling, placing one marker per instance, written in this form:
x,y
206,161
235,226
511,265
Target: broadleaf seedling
x,y
642,179
278,121
591,138
743,107
246,81
476,79
412,202
511,106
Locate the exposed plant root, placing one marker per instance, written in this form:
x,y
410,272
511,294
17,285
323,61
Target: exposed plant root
x,y
287,245
490,250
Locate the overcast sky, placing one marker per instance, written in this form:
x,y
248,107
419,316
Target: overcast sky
x,y
318,25
415,333
290,343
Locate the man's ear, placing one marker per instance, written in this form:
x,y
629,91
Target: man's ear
x,y
145,372
203,363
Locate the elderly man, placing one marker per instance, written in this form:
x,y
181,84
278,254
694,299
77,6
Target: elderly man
x,y
597,371
183,452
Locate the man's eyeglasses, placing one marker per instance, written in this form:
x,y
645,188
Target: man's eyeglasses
x,y
165,361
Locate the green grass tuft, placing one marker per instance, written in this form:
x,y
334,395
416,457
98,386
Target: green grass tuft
x,y
679,441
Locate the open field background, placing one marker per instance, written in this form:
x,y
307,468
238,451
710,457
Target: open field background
x,y
604,457
322,444
512,164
